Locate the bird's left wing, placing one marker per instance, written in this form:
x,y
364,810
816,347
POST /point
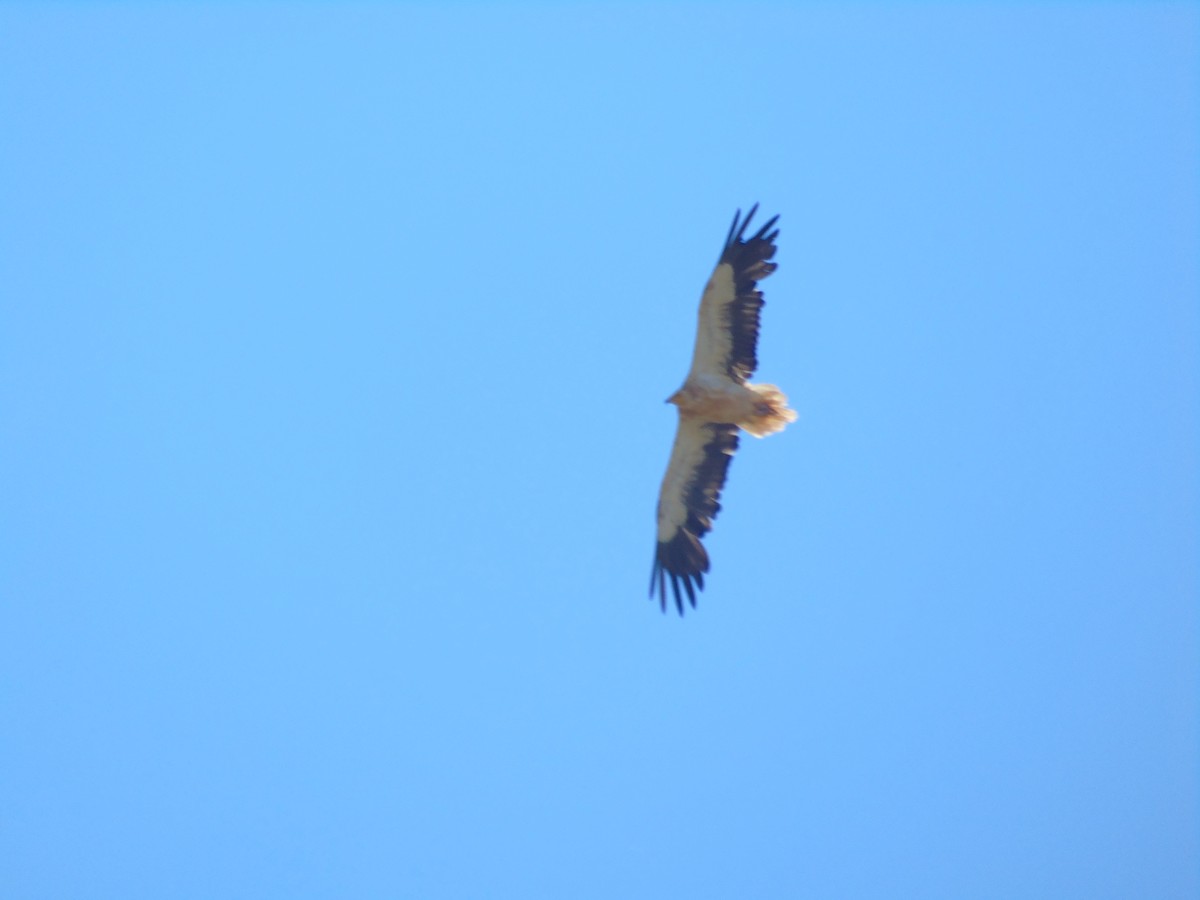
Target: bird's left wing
x,y
687,504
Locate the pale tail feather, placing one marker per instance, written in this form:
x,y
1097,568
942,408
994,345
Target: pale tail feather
x,y
777,415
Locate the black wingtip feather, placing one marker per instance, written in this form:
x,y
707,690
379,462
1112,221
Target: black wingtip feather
x,y
737,230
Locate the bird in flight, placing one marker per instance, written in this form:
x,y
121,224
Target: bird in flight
x,y
715,401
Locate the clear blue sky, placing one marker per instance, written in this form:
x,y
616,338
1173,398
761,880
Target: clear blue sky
x,y
333,348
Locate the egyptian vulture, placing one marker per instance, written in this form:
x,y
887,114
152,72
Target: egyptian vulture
x,y
715,401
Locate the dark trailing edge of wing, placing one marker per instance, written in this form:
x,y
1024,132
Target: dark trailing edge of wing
x,y
749,259
683,557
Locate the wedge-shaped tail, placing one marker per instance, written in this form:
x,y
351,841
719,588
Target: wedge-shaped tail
x,y
775,415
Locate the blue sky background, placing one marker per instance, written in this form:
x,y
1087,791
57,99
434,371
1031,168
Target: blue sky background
x,y
333,350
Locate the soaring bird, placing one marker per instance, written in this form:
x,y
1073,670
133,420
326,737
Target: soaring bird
x,y
715,401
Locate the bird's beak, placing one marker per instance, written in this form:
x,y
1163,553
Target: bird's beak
x,y
673,398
